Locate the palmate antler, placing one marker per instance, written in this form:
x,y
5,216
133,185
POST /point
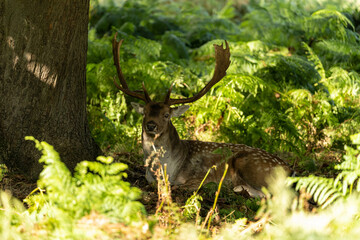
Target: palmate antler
x,y
222,59
124,87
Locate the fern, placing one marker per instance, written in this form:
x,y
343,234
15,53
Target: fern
x,y
15,222
312,57
328,24
350,168
343,87
325,191
96,186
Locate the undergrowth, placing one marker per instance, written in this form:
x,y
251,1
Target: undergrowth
x,y
325,191
97,203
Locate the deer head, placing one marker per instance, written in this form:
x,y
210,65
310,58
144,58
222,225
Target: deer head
x,y
157,116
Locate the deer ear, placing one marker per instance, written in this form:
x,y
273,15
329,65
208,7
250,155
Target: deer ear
x,y
178,111
139,108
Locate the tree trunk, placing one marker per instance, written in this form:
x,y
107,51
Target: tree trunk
x,y
43,48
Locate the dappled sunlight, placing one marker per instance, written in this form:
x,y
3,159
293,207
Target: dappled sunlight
x,y
11,45
40,70
10,41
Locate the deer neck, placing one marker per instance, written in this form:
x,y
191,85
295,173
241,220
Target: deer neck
x,y
168,148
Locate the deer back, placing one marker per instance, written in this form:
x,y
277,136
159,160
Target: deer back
x,y
247,165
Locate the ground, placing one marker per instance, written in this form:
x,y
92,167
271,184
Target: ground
x,y
231,205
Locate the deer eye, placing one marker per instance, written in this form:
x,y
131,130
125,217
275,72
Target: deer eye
x,y
166,115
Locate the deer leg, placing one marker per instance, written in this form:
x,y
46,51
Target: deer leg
x,y
241,185
250,190
149,176
239,168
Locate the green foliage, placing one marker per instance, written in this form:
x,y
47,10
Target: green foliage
x,y
325,191
106,119
291,221
15,221
192,206
73,207
350,167
62,200
3,170
95,186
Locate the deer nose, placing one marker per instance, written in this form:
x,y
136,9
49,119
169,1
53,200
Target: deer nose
x,y
151,126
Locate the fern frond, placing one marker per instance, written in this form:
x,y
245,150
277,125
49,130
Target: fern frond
x,y
300,96
247,83
327,190
327,24
311,56
323,190
96,186
55,177
336,53
329,13
343,86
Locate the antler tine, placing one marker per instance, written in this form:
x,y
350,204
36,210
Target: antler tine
x,y
116,56
147,97
124,87
167,97
222,59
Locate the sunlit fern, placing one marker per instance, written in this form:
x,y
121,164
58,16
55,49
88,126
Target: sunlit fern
x,y
325,191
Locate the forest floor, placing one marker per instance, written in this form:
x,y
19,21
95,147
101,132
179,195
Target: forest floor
x,y
232,205
20,187
226,201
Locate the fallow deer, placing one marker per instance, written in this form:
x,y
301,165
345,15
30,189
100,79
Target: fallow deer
x,y
187,160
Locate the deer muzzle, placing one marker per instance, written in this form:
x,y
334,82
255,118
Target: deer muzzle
x,y
151,127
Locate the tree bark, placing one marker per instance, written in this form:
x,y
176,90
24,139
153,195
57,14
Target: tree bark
x,y
43,47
